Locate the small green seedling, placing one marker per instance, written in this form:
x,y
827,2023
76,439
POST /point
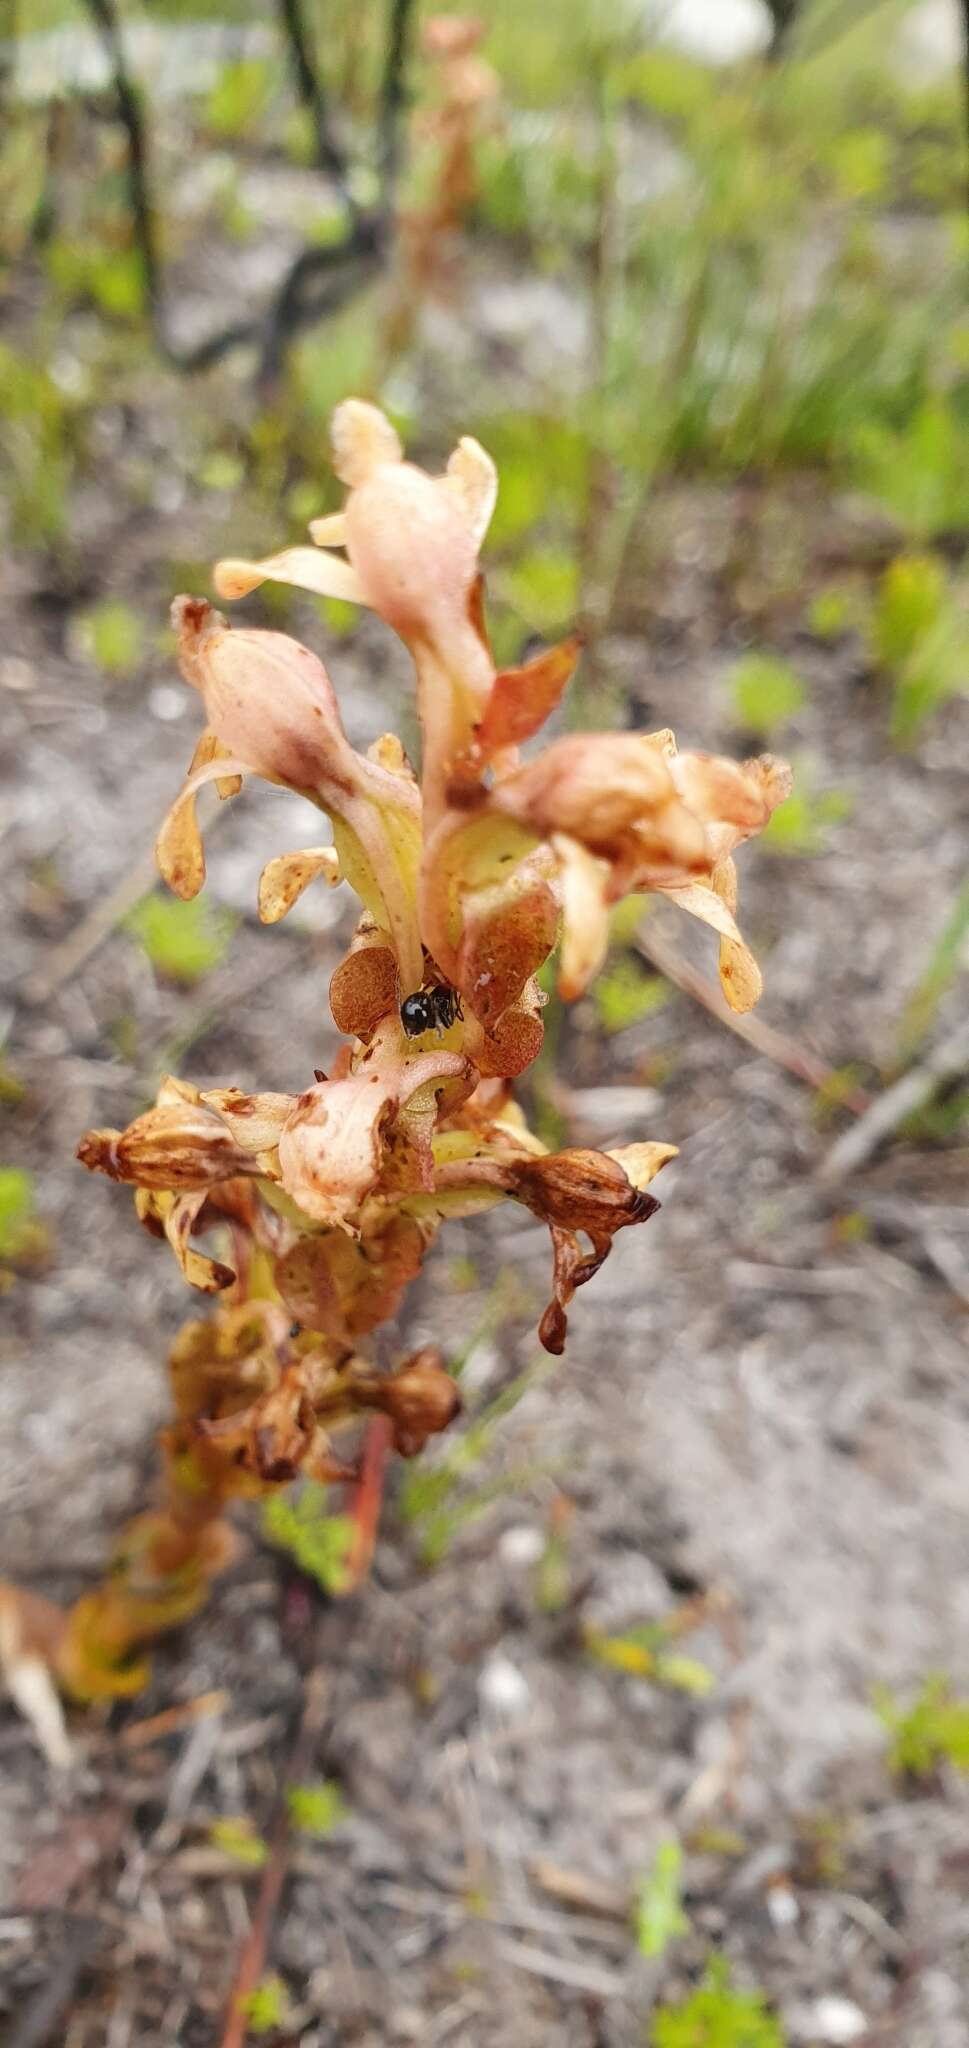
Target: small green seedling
x,y
320,1542
949,954
437,1499
265,2008
716,2016
624,994
23,1237
659,1915
934,1730
183,941
316,1809
111,635
919,639
644,1653
236,1837
833,612
766,693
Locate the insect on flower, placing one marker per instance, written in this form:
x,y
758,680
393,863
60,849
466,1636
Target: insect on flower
x,y
430,1009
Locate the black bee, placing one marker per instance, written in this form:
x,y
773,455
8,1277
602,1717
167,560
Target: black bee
x,y
430,1009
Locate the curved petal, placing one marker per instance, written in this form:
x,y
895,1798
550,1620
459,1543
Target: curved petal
x,y
583,886
174,1217
473,478
326,575
284,879
272,703
330,531
740,976
179,852
362,439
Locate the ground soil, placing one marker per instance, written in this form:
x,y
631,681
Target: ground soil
x,y
758,1412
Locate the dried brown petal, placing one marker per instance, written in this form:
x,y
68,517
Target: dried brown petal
x,y
522,698
174,1146
573,1191
343,1287
175,1217
509,929
420,1397
365,986
512,1044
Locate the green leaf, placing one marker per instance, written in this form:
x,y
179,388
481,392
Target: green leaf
x,y
112,636
947,957
184,941
716,2016
265,2008
236,1837
802,825
316,1809
766,693
320,1542
623,994
238,98
932,1731
21,1232
543,587
908,606
659,1912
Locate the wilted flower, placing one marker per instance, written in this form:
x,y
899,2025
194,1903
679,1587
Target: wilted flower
x,y
578,1193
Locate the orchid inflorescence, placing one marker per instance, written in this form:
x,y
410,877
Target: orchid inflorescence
x,y
469,876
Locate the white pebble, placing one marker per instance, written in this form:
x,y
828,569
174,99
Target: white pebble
x,y
838,2020
521,1546
503,1687
167,702
782,1906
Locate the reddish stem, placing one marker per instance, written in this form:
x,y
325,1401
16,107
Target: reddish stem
x,y
366,1499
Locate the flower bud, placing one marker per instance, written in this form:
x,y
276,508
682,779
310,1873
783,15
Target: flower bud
x,y
268,700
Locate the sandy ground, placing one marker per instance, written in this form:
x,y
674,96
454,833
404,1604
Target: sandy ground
x,y
757,1413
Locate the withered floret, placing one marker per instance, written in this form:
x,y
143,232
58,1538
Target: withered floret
x,y
325,1203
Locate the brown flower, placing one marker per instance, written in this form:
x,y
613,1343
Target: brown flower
x,y
576,1192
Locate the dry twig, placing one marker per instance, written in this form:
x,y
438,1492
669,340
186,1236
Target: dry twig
x,y
912,1092
775,1045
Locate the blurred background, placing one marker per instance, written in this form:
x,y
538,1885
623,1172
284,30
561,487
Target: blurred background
x,y
651,1725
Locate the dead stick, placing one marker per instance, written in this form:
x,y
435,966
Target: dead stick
x,y
910,1093
253,1956
138,1733
763,1038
